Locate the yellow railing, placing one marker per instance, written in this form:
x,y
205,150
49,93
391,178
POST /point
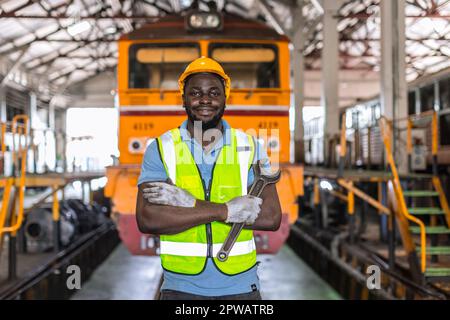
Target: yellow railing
x,y
434,134
386,135
19,131
342,146
353,191
343,142
442,198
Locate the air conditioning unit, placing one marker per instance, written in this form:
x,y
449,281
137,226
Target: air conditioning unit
x,y
419,158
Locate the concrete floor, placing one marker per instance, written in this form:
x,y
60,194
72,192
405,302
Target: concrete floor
x,y
123,276
285,276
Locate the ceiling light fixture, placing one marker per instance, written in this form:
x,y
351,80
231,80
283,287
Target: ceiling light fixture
x,y
78,28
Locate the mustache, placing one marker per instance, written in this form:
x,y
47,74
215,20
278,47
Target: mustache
x,y
206,125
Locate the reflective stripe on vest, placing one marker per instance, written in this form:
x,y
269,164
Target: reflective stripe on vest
x,y
186,252
200,249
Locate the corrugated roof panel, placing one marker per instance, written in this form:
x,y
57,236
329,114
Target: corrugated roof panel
x,y
20,32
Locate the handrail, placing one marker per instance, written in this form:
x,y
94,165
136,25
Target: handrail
x,y
415,117
23,152
339,195
351,200
316,196
442,198
434,143
343,145
343,142
434,134
364,196
386,136
5,204
409,144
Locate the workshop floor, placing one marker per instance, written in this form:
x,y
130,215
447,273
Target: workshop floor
x,y
123,276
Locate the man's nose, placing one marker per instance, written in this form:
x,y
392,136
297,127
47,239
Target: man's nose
x,y
205,99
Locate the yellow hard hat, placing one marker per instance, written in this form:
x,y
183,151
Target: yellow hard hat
x,y
204,64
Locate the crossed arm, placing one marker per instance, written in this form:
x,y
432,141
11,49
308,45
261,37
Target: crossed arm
x,y
165,219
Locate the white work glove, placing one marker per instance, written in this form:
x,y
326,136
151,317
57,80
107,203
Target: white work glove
x,y
243,209
167,194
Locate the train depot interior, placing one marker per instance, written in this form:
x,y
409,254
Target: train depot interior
x,y
350,99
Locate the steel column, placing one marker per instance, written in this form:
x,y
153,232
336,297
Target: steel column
x,y
330,68
393,75
298,66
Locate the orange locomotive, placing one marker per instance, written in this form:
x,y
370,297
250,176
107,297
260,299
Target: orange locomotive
x,y
150,62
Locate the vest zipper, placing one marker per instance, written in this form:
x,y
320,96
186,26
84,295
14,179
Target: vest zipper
x,y
207,192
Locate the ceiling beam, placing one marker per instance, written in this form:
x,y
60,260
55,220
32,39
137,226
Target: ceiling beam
x,y
12,15
364,15
273,18
318,4
14,67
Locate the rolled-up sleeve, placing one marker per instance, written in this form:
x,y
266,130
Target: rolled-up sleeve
x,y
152,168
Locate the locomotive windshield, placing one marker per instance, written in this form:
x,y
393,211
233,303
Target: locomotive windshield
x,y
158,66
250,66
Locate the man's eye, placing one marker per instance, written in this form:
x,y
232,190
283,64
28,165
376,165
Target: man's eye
x,y
214,93
195,93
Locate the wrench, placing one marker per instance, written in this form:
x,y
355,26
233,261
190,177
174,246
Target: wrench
x,y
258,185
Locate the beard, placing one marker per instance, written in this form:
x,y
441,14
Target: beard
x,y
206,125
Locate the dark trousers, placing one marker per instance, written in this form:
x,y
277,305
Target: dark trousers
x,y
178,295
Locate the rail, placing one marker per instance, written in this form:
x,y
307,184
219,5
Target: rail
x,y
386,136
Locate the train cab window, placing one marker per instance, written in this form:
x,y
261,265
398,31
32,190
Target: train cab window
x,y
444,93
250,66
159,66
427,98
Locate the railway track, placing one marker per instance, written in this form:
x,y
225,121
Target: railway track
x,y
345,268
49,280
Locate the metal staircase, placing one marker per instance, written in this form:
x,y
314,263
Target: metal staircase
x,y
423,215
436,219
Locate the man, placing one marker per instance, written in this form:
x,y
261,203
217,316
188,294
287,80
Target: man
x,y
193,186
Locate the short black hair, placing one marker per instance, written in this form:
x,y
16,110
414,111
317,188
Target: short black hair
x,y
222,80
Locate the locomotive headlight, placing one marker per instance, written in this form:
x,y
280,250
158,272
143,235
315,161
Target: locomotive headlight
x,y
196,21
204,21
137,145
212,21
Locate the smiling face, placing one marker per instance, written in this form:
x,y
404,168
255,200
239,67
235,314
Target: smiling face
x,y
204,99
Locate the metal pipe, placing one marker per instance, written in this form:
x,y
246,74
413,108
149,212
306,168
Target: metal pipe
x,y
358,276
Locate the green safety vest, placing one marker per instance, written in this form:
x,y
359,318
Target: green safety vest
x,y
186,252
